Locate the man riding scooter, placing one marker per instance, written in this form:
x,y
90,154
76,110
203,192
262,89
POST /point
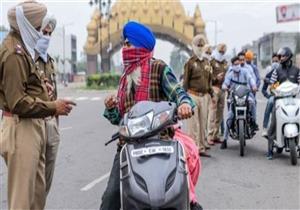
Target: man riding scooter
x,y
237,76
286,71
144,79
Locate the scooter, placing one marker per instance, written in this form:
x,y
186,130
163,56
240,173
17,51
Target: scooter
x,y
287,120
153,171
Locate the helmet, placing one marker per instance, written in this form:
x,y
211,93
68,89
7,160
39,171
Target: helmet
x,y
285,54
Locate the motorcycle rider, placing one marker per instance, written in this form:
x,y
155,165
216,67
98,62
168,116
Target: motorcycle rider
x,y
269,96
144,78
237,76
286,71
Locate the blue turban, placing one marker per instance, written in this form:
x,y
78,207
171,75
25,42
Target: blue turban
x,y
139,35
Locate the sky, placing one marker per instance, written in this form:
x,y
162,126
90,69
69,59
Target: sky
x,y
239,22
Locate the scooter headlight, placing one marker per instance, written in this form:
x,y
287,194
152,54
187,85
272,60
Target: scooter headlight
x,y
141,125
160,119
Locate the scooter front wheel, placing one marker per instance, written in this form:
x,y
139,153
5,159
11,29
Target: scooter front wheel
x,y
293,151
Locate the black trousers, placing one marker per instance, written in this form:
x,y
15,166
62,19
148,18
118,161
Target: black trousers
x,y
111,197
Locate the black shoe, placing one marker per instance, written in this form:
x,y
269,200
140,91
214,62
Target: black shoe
x,y
196,206
224,144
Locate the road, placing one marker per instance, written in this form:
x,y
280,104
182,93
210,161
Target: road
x,y
227,181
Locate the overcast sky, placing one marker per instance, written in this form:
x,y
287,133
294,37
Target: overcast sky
x,y
239,22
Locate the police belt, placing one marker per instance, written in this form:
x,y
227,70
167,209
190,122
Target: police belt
x,y
195,93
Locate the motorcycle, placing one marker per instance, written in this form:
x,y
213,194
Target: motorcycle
x,y
287,120
153,171
243,126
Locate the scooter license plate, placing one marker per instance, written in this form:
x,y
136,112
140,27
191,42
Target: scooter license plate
x,y
152,151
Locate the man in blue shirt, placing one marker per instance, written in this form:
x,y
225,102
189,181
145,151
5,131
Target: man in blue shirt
x,y
249,61
236,76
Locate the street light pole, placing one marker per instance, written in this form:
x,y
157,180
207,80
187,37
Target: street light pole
x,y
216,31
64,56
108,16
64,50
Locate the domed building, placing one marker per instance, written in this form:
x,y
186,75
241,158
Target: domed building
x,y
168,21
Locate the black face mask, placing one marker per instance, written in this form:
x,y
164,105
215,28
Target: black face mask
x,y
248,62
242,64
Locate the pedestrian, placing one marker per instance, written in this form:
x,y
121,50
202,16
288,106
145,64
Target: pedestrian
x,y
216,110
144,78
249,56
197,82
46,65
25,104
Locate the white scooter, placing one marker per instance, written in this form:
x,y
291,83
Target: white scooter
x,y
287,119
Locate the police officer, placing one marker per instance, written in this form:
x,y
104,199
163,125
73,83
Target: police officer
x,y
25,104
46,65
219,68
197,82
286,71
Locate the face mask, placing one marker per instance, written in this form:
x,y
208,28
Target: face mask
x,y
198,51
242,64
236,68
42,47
205,55
218,56
275,65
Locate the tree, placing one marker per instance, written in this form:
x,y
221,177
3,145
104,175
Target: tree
x,y
177,60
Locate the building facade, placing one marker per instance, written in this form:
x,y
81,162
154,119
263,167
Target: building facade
x,y
63,49
272,42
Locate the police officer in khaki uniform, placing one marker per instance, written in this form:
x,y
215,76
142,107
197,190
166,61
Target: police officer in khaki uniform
x,y
46,65
197,81
219,66
25,104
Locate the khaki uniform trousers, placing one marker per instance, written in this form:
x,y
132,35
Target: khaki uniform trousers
x,y
216,110
51,150
23,145
197,124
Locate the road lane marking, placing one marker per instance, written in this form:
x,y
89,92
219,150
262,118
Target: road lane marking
x,y
65,128
68,98
93,183
81,98
95,99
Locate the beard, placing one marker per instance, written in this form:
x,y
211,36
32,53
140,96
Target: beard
x,y
133,79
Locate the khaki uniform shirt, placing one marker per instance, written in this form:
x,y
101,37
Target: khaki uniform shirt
x,y
198,75
22,90
218,68
49,73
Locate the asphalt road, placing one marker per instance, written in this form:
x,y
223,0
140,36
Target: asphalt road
x,y
227,181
